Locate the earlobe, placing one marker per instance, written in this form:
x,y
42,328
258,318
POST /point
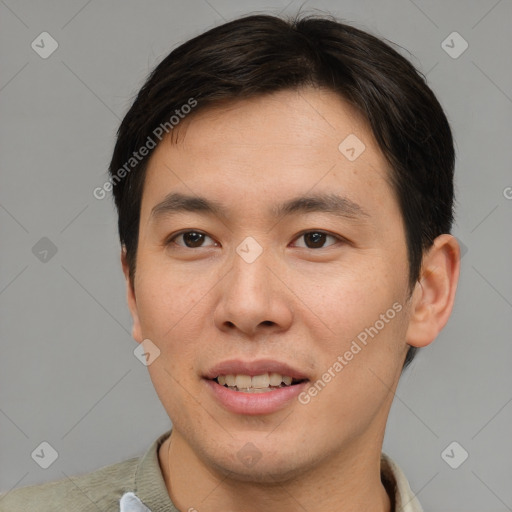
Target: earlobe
x,y
434,294
130,297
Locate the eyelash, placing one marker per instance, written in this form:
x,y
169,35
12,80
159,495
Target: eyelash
x,y
170,240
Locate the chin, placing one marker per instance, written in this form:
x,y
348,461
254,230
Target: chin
x,y
265,472
267,465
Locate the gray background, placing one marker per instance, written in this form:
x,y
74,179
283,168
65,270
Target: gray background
x,y
68,375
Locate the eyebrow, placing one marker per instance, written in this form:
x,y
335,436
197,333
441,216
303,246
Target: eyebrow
x,y
329,203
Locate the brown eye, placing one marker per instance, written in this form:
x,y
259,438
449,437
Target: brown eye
x,y
191,239
315,239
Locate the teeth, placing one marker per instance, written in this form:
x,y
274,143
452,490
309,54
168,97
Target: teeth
x,y
287,380
261,381
275,379
243,381
264,381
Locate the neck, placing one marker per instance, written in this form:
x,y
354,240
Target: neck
x,y
347,482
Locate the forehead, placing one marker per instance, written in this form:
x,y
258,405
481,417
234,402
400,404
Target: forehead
x,y
305,117
285,143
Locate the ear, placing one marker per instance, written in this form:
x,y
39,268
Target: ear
x,y
130,296
434,293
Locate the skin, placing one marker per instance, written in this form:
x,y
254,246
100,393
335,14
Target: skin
x,y
297,303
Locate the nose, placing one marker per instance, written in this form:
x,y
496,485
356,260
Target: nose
x,y
253,298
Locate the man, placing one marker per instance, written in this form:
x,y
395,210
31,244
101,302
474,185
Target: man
x,y
284,192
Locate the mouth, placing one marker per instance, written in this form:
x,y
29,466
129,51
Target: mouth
x,y
262,383
255,387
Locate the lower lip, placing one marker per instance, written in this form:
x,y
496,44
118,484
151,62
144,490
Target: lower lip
x,y
254,403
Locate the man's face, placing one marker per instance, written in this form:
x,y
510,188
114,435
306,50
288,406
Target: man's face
x,y
249,293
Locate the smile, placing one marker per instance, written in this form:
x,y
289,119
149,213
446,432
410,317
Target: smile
x,y
257,384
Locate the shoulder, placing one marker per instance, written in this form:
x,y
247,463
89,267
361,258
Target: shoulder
x,y
98,490
397,486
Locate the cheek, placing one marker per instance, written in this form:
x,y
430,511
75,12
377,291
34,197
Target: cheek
x,y
359,364
172,307
361,341
171,310
348,299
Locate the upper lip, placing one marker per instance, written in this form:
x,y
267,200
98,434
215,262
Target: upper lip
x,y
252,368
